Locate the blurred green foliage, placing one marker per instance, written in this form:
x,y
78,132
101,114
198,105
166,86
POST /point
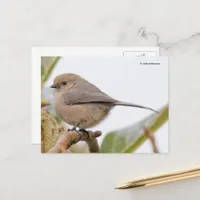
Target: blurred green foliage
x,y
129,139
47,66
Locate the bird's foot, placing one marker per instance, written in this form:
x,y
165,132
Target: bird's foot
x,y
83,131
80,130
72,129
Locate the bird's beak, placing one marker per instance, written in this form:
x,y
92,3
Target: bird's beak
x,y
57,86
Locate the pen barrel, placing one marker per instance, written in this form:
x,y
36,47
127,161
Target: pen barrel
x,y
169,179
166,178
168,175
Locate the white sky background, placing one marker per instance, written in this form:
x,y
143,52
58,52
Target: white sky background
x,y
123,78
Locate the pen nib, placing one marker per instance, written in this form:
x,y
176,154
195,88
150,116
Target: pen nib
x,y
129,186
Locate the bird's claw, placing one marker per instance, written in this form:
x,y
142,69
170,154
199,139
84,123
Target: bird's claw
x,y
79,130
83,131
72,129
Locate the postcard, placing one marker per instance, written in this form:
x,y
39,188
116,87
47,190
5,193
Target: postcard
x,y
104,104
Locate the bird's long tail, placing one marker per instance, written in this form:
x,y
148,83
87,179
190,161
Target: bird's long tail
x,y
121,103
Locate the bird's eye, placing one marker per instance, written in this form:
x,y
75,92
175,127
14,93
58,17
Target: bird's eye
x,y
64,83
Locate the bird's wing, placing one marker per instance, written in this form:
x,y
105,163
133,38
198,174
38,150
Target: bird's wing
x,y
77,96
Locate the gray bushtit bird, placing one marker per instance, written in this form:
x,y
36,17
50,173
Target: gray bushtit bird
x,y
80,103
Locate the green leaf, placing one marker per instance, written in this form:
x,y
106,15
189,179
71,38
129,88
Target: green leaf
x,y
129,139
42,69
48,69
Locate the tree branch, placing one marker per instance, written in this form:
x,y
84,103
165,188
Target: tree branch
x,y
66,140
152,139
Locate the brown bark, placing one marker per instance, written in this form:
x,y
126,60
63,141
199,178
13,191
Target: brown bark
x,y
54,139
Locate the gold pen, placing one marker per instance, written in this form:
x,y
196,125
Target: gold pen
x,y
161,179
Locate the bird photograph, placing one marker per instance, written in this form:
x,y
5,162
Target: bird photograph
x,y
104,105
